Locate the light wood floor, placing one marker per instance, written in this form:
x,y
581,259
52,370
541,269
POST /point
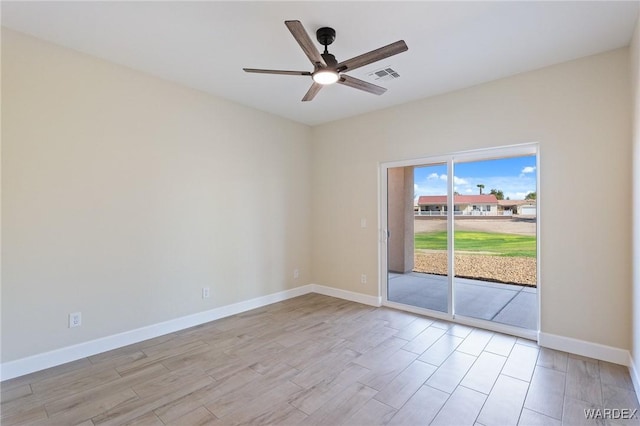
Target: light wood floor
x,y
316,360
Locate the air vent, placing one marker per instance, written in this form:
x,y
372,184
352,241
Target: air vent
x,y
383,74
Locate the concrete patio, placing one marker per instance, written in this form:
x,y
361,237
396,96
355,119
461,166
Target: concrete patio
x,y
503,303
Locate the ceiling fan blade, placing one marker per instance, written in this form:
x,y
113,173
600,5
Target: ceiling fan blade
x,y
362,85
301,36
312,92
373,56
261,71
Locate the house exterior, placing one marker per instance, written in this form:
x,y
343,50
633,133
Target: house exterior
x,y
473,205
519,207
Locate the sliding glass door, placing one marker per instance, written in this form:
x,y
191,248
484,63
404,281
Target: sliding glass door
x,y
460,236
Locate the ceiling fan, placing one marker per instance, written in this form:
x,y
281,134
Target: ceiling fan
x,y
326,69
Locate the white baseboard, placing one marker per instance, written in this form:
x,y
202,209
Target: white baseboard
x,y
20,367
584,348
593,350
633,372
348,295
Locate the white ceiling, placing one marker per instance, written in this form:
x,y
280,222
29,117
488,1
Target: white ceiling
x,y
205,45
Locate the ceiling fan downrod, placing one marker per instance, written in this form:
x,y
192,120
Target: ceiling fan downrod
x,y
326,36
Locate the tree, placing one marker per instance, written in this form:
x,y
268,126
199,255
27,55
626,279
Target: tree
x,y
531,196
481,186
498,193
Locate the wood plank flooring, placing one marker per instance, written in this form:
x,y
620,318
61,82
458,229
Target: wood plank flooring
x,y
317,360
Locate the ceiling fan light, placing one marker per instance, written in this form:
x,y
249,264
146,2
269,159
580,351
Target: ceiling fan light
x,y
325,76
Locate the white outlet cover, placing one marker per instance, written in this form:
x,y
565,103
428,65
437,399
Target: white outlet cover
x,y
75,319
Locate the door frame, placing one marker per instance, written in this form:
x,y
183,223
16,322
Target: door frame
x,y
532,148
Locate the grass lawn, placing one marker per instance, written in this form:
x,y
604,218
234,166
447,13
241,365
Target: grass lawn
x,y
509,245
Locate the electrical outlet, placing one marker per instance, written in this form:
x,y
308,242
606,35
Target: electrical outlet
x,y
363,279
205,292
363,222
75,319
296,273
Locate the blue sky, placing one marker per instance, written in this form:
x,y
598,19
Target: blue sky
x,y
516,177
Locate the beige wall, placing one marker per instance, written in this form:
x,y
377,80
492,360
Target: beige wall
x,y
635,84
578,112
123,195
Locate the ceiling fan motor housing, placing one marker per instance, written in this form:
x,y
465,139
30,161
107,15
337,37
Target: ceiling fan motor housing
x,y
326,35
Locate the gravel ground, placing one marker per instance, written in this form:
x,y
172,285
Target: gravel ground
x,y
511,270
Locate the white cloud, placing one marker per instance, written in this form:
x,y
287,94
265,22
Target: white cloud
x,y
460,181
443,177
527,170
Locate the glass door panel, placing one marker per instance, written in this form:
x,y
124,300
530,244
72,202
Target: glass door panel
x,y
417,256
495,248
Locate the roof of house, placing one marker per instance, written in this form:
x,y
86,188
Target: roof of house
x,y
458,199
